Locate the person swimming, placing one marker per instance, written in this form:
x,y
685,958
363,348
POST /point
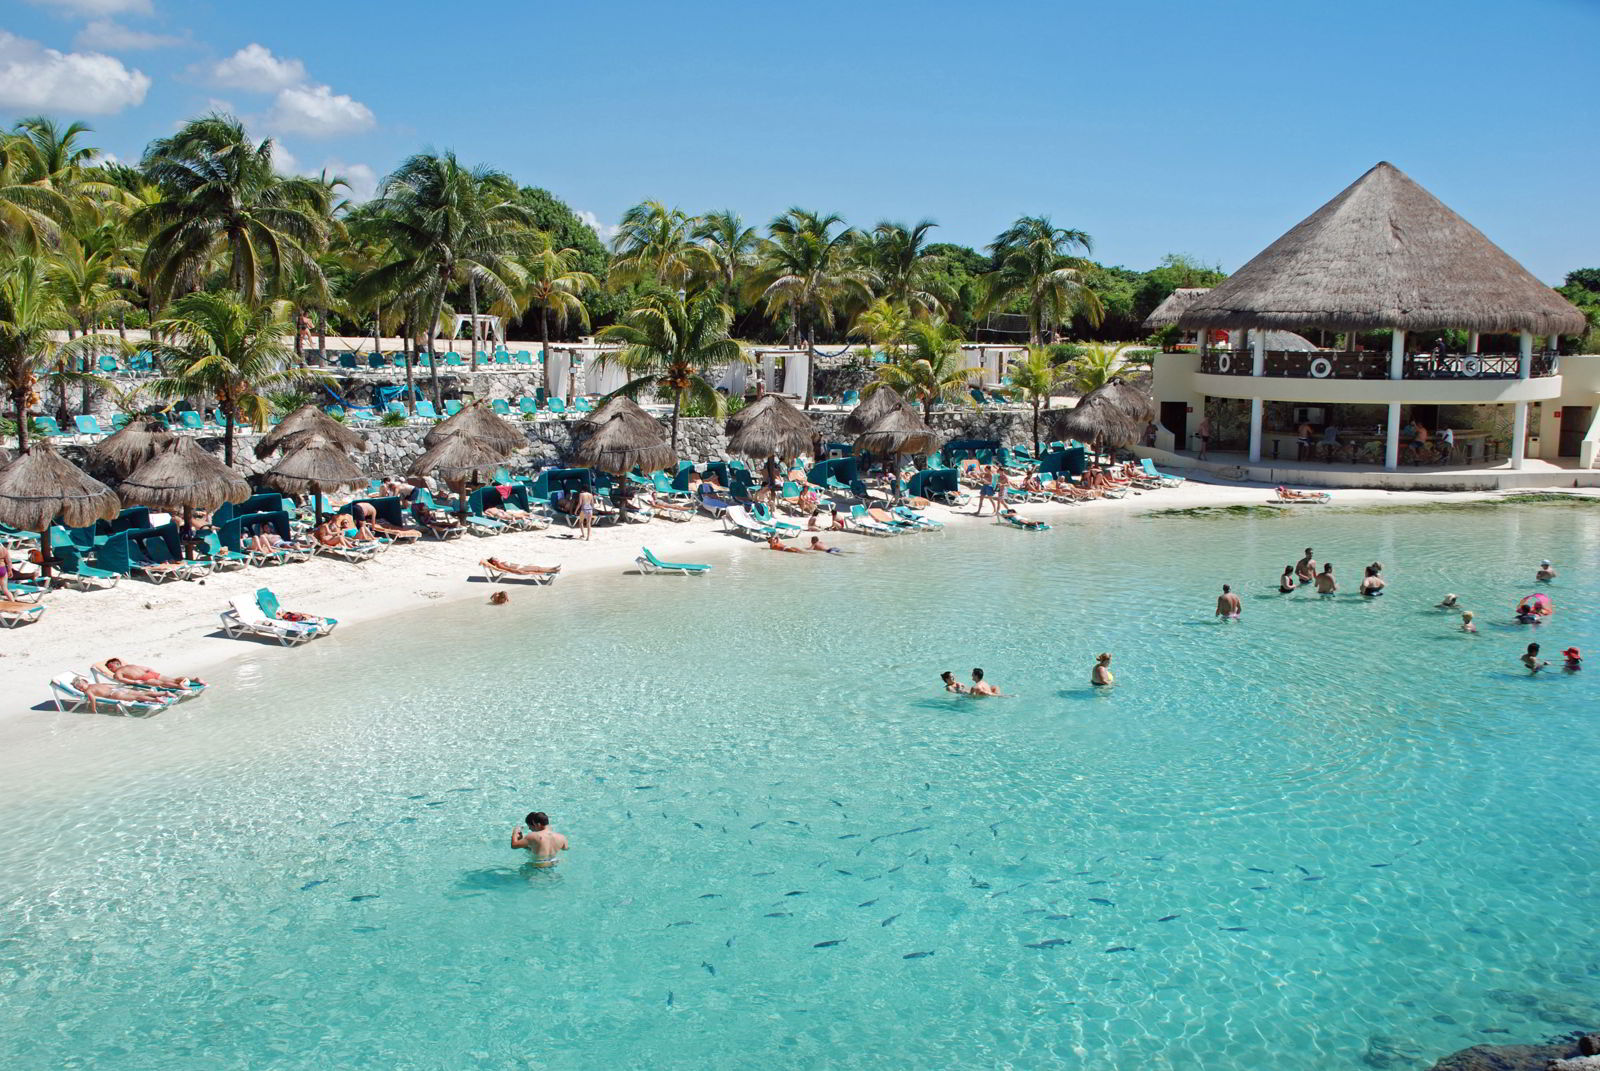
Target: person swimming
x,y
540,839
1101,676
1228,605
1325,582
1372,583
951,684
981,686
1546,571
1449,603
1574,660
817,544
1286,582
1531,659
1466,622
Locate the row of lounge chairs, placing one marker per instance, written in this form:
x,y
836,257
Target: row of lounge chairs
x,y
68,694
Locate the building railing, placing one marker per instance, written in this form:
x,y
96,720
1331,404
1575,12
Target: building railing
x,y
1338,364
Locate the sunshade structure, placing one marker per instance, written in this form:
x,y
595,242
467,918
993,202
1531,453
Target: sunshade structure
x,y
1384,253
775,428
315,466
1166,314
611,408
183,476
40,485
1113,414
135,443
900,431
877,405
300,425
477,421
457,457
624,441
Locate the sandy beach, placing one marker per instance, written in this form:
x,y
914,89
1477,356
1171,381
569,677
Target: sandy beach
x,y
174,626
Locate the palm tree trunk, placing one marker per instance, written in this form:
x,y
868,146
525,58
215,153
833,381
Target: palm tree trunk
x,y
299,348
472,300
433,363
227,430
1035,425
408,354
377,328
19,397
122,325
811,366
544,342
677,400
322,334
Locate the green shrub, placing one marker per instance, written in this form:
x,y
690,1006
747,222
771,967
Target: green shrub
x,y
392,420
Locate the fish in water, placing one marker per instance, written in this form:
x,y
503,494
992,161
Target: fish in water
x,y
314,884
777,914
1314,877
672,924
1101,900
1121,948
709,968
1048,942
795,892
416,797
1060,916
1234,929
1101,882
436,803
830,944
1379,864
1258,870
764,874
848,873
888,920
900,833
728,943
1302,869
1261,888
836,803
640,787
669,998
758,825
709,895
365,896
697,825
922,955
892,869
866,903
848,836
1166,918
374,929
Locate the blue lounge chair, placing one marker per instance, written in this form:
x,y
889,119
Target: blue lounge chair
x,y
649,563
452,407
107,363
267,603
347,360
501,406
426,411
1149,468
191,420
557,406
583,405
528,407
51,429
523,357
851,397
396,407
88,425
453,360
119,421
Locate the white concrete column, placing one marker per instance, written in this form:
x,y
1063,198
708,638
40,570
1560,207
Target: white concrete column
x,y
1256,407
1397,355
1519,432
1258,363
1391,438
1525,357
1472,342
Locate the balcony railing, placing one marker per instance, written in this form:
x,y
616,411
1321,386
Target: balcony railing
x,y
1338,364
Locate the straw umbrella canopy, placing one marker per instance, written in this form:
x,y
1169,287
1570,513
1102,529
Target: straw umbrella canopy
x,y
611,408
877,405
41,485
183,476
778,430
292,432
1173,305
478,421
456,458
312,467
625,442
901,431
135,443
1114,414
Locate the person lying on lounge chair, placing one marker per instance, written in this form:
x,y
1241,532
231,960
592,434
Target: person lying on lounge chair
x,y
330,533
660,505
434,522
144,676
1285,493
501,566
389,531
116,693
1020,522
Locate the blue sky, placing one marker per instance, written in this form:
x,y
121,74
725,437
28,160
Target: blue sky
x,y
1156,127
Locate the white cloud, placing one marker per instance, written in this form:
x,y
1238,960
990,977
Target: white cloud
x,y
318,112
112,36
606,231
96,7
361,180
35,78
283,161
254,67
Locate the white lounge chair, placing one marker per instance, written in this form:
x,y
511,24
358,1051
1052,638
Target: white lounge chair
x,y
68,698
737,519
244,618
495,574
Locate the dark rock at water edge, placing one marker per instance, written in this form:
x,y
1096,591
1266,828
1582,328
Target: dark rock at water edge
x,y
1513,1057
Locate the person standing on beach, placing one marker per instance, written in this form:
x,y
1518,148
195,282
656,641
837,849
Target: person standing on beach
x,y
1325,584
1202,435
585,513
540,839
1228,606
1101,676
1305,570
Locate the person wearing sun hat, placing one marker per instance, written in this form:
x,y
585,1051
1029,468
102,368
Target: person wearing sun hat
x,y
1546,571
1574,659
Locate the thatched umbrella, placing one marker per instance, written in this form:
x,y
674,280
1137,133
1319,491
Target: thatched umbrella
x,y
879,404
777,430
183,476
458,457
291,433
41,485
611,408
314,466
479,422
1172,306
901,431
1113,414
626,441
135,443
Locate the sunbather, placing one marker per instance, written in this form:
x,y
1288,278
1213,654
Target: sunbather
x,y
434,523
774,543
1011,516
144,676
5,573
501,566
672,509
1288,495
116,693
331,533
818,545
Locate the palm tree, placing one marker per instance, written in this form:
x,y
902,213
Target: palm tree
x,y
87,283
31,212
730,244
1032,263
1095,367
670,344
885,325
655,242
1037,377
898,256
31,320
221,199
445,225
222,347
804,271
931,370
552,284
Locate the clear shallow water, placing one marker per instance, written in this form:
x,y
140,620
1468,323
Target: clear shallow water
x,y
1336,834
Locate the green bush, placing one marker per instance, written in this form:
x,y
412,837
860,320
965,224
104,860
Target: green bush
x,y
392,420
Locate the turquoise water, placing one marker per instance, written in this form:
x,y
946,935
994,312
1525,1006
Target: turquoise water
x,y
1335,834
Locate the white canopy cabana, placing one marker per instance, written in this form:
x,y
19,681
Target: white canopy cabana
x,y
484,327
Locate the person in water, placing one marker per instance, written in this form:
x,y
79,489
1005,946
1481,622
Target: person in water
x,y
1466,622
542,841
1101,676
981,686
1528,613
774,543
1287,582
951,684
1531,659
817,544
1325,584
1228,605
1574,660
1372,583
1546,571
1305,570
1449,603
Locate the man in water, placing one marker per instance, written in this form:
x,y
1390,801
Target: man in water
x,y
1305,570
1531,659
981,686
1101,676
540,839
951,684
1546,571
1228,603
1325,584
817,544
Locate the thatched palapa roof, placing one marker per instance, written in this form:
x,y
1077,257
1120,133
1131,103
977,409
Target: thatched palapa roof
x,y
624,442
479,422
296,428
41,485
770,427
611,408
456,456
1166,313
901,431
1385,253
878,404
132,445
316,465
1114,414
183,475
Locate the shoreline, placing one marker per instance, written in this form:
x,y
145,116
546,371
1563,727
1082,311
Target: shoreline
x,y
174,626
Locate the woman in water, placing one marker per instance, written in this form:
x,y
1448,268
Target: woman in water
x,y
1287,582
1372,583
1466,622
1101,676
951,684
1449,603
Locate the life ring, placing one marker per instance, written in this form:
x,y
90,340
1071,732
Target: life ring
x,y
1224,363
1321,368
1471,366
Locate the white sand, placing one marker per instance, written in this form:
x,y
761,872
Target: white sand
x,y
174,626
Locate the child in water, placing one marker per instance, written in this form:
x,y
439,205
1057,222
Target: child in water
x,y
1466,622
1574,659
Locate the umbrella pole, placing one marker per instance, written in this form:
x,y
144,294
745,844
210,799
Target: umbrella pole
x,y
45,555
